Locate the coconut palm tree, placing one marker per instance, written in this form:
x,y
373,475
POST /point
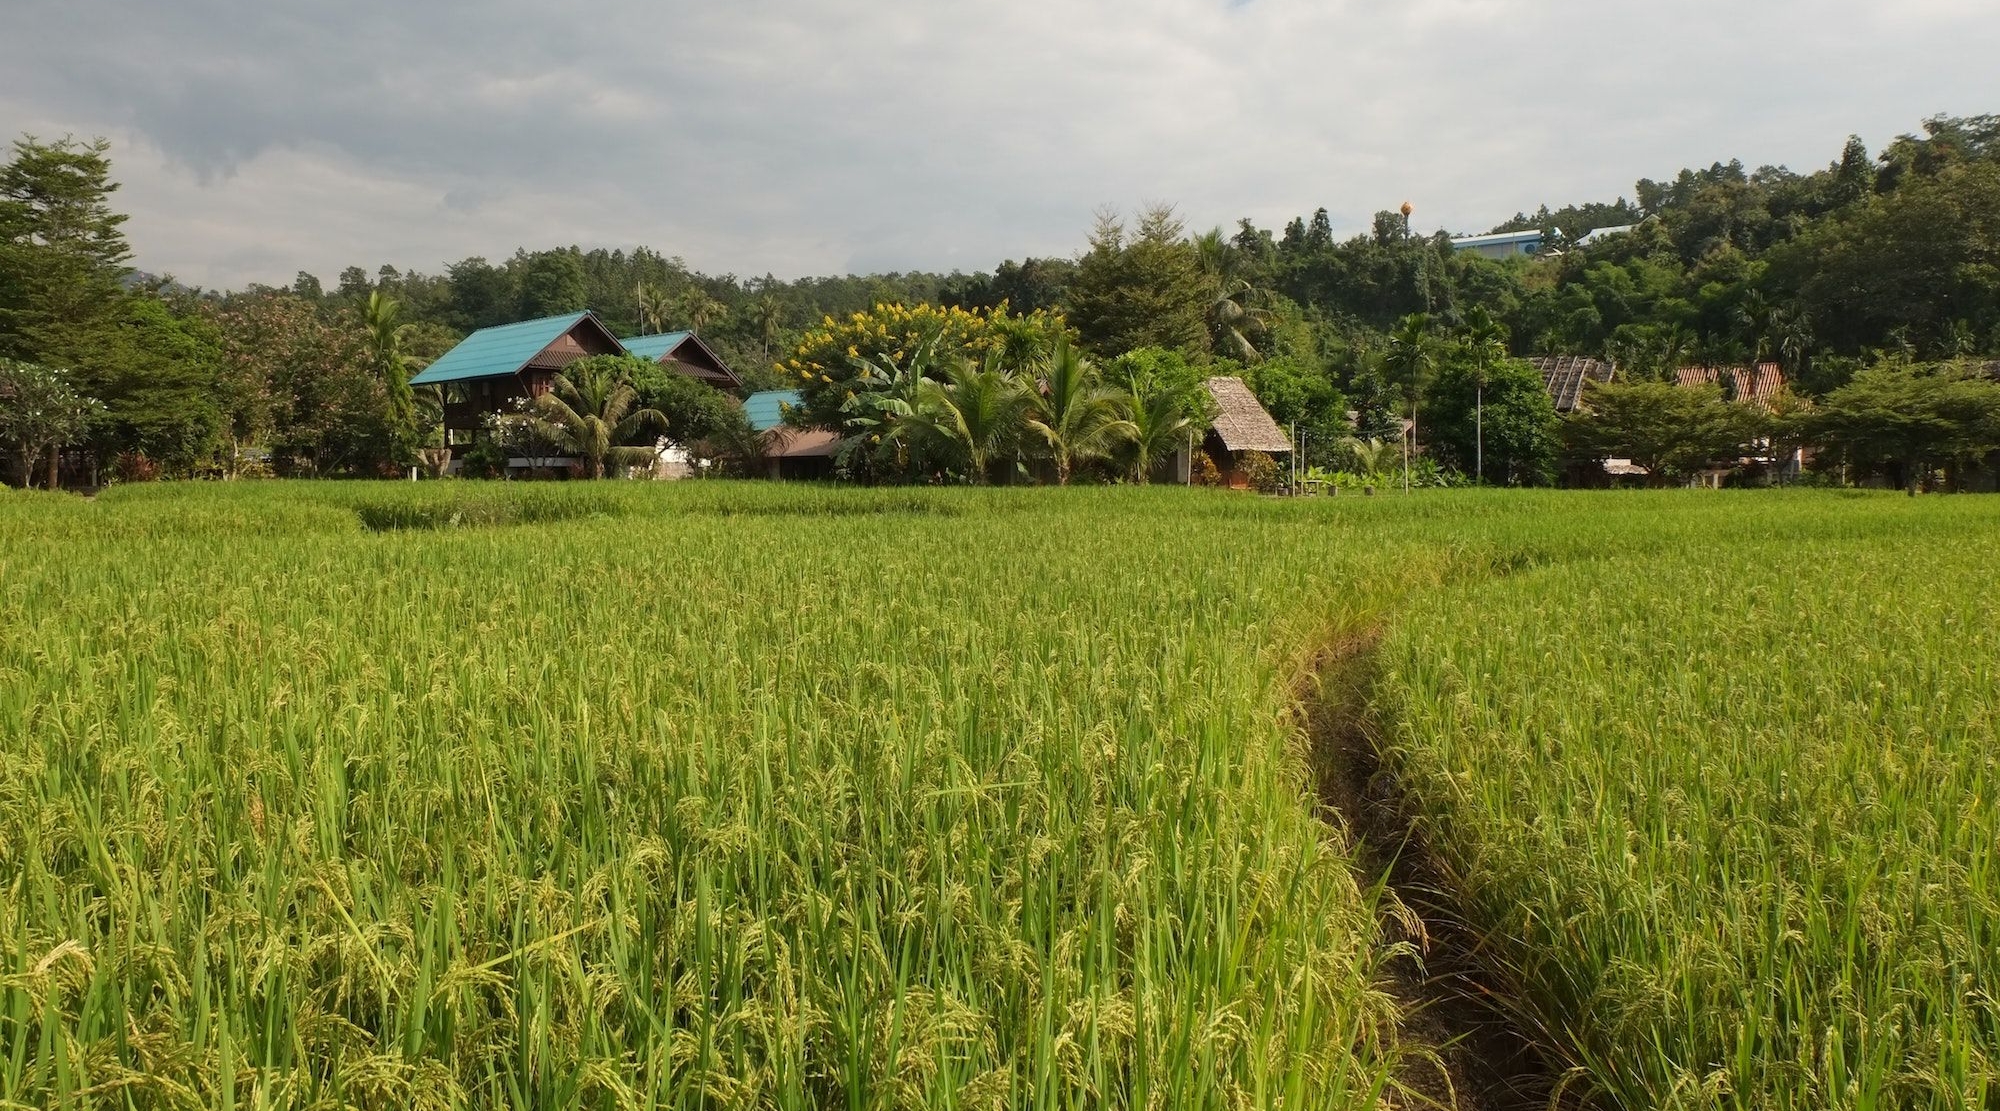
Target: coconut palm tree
x,y
1795,340
1072,412
654,308
1370,456
1234,318
590,411
733,448
769,312
1410,360
881,398
1160,421
980,411
698,309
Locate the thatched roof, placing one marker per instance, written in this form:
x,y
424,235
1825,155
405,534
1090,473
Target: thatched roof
x,y
1756,385
1564,377
1240,422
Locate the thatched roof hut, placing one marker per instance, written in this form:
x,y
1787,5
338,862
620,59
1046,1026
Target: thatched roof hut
x,y
1241,424
1241,429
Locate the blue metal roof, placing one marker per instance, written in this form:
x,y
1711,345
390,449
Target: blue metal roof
x,y
1532,235
654,347
766,410
498,351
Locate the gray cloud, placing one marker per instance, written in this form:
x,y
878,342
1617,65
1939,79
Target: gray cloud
x,y
255,140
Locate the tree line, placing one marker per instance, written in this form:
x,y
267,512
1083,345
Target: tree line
x,y
1878,275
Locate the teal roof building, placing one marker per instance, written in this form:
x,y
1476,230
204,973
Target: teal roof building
x,y
766,410
655,347
503,368
686,353
510,348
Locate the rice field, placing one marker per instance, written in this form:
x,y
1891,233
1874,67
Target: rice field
x,y
711,795
1727,809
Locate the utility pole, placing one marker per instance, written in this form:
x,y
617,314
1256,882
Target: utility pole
x,y
1479,431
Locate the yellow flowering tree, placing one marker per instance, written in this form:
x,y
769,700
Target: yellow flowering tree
x,y
829,364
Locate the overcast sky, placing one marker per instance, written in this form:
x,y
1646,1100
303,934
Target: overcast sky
x,y
258,139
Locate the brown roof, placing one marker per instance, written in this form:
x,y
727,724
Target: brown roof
x,y
800,443
1240,422
1564,377
1758,384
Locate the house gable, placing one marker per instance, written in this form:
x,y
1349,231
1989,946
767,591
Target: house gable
x,y
686,353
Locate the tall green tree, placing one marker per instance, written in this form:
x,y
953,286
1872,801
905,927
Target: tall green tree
x,y
654,309
1407,364
769,313
1145,288
1494,421
1485,345
1903,421
299,382
482,294
1673,431
552,284
382,318
157,371
1921,258
62,250
696,308
692,409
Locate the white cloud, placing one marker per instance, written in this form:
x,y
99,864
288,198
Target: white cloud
x,y
809,137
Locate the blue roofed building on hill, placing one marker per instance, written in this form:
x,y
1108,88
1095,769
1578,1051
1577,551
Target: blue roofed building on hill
x,y
1504,244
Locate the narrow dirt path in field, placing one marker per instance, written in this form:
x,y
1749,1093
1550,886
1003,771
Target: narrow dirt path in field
x,y
1470,1054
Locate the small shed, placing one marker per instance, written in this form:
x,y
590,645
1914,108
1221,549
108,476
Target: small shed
x,y
1241,426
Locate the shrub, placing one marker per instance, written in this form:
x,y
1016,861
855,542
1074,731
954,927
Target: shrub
x,y
485,459
1261,471
133,466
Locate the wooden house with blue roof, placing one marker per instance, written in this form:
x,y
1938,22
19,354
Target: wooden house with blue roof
x,y
494,368
684,352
